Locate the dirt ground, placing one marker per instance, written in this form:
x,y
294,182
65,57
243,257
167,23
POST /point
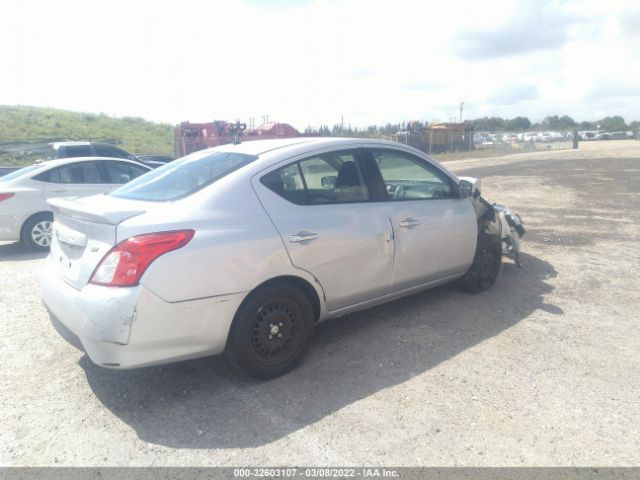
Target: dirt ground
x,y
542,370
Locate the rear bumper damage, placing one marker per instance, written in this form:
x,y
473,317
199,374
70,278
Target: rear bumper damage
x,y
133,327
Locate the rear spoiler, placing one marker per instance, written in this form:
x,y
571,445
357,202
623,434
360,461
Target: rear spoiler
x,y
107,211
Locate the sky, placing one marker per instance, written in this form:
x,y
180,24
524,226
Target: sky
x,y
316,62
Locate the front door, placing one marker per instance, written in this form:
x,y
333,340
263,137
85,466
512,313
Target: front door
x,y
434,229
323,209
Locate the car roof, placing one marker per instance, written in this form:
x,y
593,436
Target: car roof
x,y
69,143
82,143
64,161
260,147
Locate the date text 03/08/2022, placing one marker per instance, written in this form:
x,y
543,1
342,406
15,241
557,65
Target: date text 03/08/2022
x,y
315,473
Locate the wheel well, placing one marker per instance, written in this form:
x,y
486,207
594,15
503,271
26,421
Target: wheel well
x,y
301,283
30,217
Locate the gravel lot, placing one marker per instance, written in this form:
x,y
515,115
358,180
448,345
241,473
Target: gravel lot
x,y
542,370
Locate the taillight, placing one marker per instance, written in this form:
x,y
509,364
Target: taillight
x,y
5,196
125,263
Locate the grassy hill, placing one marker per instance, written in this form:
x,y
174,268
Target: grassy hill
x,y
136,135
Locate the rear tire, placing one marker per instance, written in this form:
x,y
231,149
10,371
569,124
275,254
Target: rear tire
x,y
486,266
36,231
271,331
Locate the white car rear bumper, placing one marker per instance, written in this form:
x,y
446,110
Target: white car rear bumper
x,y
133,327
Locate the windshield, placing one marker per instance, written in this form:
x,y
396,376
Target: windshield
x,y
19,173
183,177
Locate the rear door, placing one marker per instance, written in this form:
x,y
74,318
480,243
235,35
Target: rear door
x,y
434,229
322,207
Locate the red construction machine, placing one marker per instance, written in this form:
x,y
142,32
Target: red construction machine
x,y
191,137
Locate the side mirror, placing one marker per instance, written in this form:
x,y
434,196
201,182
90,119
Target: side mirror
x,y
329,182
465,187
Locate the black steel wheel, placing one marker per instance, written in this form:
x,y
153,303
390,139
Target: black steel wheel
x,y
271,331
486,267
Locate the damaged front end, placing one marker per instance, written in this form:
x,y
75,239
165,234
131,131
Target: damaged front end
x,y
497,219
512,231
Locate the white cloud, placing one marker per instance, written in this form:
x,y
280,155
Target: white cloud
x,y
313,61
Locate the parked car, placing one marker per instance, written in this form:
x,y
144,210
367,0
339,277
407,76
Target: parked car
x,y
58,150
618,136
24,212
243,248
587,135
545,137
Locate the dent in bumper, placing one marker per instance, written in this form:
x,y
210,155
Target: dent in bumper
x,y
90,313
133,327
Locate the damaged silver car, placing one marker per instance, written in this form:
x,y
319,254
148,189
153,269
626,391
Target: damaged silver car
x,y
242,249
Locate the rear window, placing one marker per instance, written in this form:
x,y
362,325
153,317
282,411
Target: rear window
x,y
75,151
108,151
19,172
183,177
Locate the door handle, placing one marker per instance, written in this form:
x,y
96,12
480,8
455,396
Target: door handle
x,y
409,222
303,237
58,191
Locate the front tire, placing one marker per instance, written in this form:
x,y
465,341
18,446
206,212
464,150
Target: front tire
x,y
271,331
486,266
36,232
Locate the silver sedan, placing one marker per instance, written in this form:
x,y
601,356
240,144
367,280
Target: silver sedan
x,y
243,248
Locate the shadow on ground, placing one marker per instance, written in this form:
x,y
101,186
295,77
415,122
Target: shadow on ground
x,y
11,252
206,404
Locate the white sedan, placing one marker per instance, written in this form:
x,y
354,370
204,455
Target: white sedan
x,y
24,212
243,248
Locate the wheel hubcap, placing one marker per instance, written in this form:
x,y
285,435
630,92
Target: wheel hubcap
x,y
276,332
41,233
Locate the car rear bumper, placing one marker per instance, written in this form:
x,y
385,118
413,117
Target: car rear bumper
x,y
133,327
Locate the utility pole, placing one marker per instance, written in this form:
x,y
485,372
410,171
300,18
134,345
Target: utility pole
x,y
461,108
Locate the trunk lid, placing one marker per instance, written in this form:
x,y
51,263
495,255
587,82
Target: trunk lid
x,y
84,230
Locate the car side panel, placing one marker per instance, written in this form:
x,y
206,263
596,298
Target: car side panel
x,y
14,211
233,235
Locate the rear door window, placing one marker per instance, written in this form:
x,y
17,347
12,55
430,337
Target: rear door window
x,y
287,182
334,177
79,173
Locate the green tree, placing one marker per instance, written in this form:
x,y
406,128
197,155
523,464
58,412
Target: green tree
x,y
517,124
612,124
